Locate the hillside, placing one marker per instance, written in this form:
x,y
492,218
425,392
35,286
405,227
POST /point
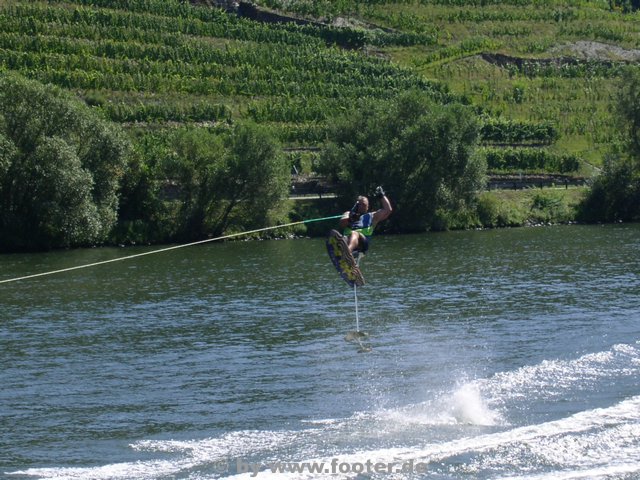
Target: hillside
x,y
549,63
542,74
154,62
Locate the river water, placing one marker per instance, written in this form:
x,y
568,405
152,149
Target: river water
x,y
504,354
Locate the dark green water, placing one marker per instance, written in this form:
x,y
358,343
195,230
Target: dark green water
x,y
496,354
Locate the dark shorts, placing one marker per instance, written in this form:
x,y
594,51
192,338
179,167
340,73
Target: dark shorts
x,y
364,244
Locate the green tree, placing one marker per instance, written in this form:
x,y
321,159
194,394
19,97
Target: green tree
x,y
59,168
195,182
143,214
255,180
422,152
615,194
194,163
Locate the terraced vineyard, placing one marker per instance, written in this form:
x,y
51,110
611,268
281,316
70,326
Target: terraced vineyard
x,y
162,63
527,62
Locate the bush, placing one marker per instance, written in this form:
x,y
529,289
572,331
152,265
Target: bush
x,y
59,168
494,212
507,131
532,160
615,195
550,206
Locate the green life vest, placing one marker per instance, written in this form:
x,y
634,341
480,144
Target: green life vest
x,y
363,225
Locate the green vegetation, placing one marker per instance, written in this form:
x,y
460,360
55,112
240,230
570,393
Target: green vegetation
x,y
529,160
615,196
208,99
188,183
550,63
421,150
166,61
59,168
513,208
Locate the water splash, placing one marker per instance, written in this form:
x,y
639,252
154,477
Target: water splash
x,y
469,407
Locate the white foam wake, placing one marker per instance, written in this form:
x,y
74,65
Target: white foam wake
x,y
211,454
589,444
605,440
553,378
594,443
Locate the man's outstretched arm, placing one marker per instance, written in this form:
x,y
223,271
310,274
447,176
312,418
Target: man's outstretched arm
x,y
383,213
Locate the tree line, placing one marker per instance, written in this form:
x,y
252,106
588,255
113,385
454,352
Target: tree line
x,y
68,177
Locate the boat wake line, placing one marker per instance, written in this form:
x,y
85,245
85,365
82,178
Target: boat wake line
x,y
472,431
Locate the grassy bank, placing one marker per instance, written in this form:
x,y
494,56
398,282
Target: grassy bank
x,y
511,208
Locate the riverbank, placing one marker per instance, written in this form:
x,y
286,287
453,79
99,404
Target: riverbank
x,y
494,209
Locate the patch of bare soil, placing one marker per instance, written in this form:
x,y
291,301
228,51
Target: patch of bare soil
x,y
586,50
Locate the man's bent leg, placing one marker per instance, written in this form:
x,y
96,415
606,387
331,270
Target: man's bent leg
x,y
354,241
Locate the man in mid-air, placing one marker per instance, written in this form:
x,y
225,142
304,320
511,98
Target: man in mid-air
x,y
358,223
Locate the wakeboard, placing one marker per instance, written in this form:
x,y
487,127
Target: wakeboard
x,y
343,259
